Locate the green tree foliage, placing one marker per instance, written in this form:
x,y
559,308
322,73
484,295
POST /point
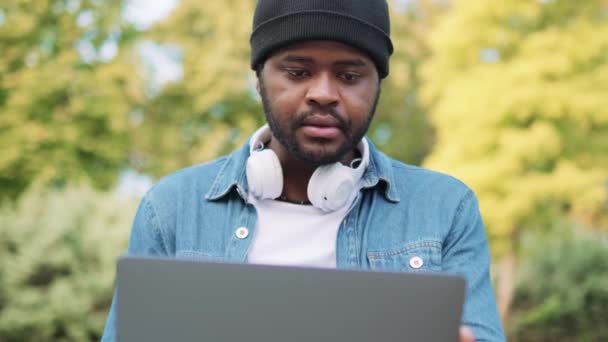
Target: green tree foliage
x,y
517,92
562,292
401,127
212,109
58,255
517,95
64,96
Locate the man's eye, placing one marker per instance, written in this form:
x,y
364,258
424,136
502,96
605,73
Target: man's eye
x,y
350,76
297,73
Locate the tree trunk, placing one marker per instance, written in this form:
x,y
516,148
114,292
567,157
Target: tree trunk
x,y
506,285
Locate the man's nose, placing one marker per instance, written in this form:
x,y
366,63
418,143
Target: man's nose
x,y
322,92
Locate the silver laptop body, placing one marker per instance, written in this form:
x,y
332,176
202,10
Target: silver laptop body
x,y
178,300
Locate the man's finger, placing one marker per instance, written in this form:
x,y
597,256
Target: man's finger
x,y
466,335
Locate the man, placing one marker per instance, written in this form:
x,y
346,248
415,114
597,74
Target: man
x,y
309,189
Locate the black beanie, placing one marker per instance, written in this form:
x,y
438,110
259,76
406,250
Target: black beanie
x,y
363,24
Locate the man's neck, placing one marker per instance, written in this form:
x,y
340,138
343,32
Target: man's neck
x,y
296,174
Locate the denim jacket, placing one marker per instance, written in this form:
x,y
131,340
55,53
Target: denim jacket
x,y
403,214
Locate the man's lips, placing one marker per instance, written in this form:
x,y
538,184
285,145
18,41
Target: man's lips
x,y
321,121
321,127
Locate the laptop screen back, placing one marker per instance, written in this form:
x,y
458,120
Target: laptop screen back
x,y
173,300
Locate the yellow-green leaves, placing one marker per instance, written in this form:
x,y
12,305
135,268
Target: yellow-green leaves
x,y
63,117
517,95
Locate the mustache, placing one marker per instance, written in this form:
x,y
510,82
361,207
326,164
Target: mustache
x,y
343,124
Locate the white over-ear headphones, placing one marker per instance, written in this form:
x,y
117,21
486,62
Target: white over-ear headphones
x,y
329,188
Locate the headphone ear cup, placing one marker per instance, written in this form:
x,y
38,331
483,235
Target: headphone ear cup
x,y
330,186
264,174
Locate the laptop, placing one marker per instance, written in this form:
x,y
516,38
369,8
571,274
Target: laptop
x,y
178,300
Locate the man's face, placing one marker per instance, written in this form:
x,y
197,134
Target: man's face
x,y
319,98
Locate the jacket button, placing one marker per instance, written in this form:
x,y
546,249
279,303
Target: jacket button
x,y
242,233
416,262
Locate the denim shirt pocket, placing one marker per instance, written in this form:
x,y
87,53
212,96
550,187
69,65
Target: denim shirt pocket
x,y
418,256
196,256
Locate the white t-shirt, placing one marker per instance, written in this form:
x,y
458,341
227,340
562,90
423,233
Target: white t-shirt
x,y
295,235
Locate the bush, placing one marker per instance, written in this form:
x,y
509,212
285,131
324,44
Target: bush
x,y
57,263
562,292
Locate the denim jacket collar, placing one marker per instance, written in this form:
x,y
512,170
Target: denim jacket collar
x,y
379,175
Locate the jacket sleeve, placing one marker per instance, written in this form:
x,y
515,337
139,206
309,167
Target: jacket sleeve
x,y
145,240
466,252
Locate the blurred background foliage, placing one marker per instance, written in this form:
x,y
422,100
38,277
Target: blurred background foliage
x,y
66,89
58,250
516,93
561,289
507,96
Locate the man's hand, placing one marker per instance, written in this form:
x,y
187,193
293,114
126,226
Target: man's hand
x,y
466,335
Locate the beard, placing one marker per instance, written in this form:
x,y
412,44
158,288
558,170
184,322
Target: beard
x,y
285,132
